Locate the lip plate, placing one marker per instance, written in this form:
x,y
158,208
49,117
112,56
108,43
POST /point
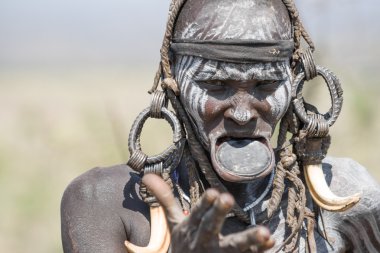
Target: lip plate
x,y
232,176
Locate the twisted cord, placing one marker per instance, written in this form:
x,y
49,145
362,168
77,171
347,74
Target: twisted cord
x,y
293,207
157,79
310,217
279,180
307,38
299,206
296,198
278,190
297,211
283,130
175,7
164,66
299,31
290,212
195,183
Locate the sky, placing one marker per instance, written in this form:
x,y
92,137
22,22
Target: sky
x,y
129,32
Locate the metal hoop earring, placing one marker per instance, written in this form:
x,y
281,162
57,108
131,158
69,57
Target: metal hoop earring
x,y
166,161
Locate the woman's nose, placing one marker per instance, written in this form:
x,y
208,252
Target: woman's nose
x,y
242,109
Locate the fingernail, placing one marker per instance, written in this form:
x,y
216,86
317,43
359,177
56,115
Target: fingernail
x,y
211,195
227,200
264,233
269,244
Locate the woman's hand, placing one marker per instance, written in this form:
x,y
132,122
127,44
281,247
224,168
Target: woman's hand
x,y
200,231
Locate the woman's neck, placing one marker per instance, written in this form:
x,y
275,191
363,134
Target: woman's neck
x,y
246,193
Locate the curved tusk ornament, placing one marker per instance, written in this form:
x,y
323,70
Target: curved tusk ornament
x,y
321,193
317,128
159,235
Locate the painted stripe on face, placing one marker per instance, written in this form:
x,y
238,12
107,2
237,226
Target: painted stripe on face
x,y
190,69
279,101
192,96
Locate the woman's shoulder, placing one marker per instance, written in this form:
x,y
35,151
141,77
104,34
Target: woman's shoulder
x,y
101,208
99,183
348,176
360,223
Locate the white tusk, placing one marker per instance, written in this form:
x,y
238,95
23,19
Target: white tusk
x,y
159,236
322,194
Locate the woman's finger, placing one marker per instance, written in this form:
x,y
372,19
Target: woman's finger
x,y
251,240
205,203
213,220
165,196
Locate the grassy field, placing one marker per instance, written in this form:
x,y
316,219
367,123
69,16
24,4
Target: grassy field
x,y
56,124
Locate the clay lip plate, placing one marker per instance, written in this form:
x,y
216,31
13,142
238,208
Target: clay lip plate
x,y
242,157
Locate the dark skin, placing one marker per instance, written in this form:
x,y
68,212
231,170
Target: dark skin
x,y
101,209
201,230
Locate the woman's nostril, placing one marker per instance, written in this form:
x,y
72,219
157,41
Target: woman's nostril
x,y
239,115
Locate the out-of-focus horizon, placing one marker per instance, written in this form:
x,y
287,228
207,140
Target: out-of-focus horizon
x,y
74,74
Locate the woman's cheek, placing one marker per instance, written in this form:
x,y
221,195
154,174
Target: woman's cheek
x,y
194,100
279,101
214,108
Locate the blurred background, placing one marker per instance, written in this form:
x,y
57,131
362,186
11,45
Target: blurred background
x,y
74,75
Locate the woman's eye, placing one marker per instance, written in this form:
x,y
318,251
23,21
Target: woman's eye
x,y
212,85
268,85
214,82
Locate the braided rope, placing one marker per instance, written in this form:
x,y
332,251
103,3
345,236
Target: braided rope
x,y
278,190
164,66
195,182
298,204
299,31
176,6
287,169
156,80
310,217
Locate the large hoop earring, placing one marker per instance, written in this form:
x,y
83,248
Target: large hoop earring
x,y
313,140
166,161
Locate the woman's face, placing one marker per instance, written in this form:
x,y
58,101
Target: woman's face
x,y
234,109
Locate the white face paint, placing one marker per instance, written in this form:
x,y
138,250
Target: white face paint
x,y
192,96
194,74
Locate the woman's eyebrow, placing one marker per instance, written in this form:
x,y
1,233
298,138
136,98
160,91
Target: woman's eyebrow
x,y
216,70
275,74
204,73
